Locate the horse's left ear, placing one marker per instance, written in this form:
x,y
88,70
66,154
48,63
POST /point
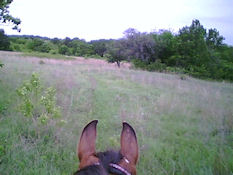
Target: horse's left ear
x,y
86,147
129,148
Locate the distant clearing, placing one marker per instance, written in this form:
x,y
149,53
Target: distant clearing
x,y
67,60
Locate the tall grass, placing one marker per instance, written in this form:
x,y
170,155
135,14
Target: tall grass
x,y
184,126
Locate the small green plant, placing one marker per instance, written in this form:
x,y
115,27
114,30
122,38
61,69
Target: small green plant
x,y
49,102
36,102
1,65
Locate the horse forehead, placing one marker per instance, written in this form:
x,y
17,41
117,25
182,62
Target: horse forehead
x,y
110,155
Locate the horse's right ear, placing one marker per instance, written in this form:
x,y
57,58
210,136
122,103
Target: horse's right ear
x,y
129,148
86,146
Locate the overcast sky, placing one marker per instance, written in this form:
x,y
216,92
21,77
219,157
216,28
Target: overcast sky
x,y
97,19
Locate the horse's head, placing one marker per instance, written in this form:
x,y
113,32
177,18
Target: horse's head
x,y
122,162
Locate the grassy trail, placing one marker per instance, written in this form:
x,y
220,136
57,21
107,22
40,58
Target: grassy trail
x,y
184,126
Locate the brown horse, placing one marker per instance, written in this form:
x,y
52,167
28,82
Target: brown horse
x,y
121,162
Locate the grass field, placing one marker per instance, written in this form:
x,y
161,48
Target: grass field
x,y
184,125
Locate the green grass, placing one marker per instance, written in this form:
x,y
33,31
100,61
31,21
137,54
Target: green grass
x,y
183,126
47,55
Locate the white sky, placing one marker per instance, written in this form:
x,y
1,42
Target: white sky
x,y
97,19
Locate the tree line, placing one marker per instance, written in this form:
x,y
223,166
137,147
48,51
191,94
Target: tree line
x,y
194,50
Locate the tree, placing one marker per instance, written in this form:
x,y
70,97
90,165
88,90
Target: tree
x,y
4,41
100,46
39,45
5,16
56,41
67,41
139,45
115,51
64,50
214,39
192,48
165,45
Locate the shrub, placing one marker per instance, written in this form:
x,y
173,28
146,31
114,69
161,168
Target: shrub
x,y
139,64
36,102
45,47
156,66
64,50
53,51
1,64
153,66
15,47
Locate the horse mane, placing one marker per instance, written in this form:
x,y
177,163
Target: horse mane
x,y
90,170
105,158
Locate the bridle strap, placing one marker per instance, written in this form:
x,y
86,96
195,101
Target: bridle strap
x,y
119,168
97,163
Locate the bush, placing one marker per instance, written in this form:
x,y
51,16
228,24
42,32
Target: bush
x,y
45,47
156,66
15,47
139,64
153,66
39,45
1,64
227,70
38,103
175,69
53,51
64,50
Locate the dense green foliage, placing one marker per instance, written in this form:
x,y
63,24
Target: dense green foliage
x,y
67,46
5,16
193,50
4,41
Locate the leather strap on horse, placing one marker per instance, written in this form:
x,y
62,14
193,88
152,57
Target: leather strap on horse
x,y
117,170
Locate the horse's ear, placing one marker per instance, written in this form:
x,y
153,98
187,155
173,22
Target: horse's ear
x,y
129,145
86,146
